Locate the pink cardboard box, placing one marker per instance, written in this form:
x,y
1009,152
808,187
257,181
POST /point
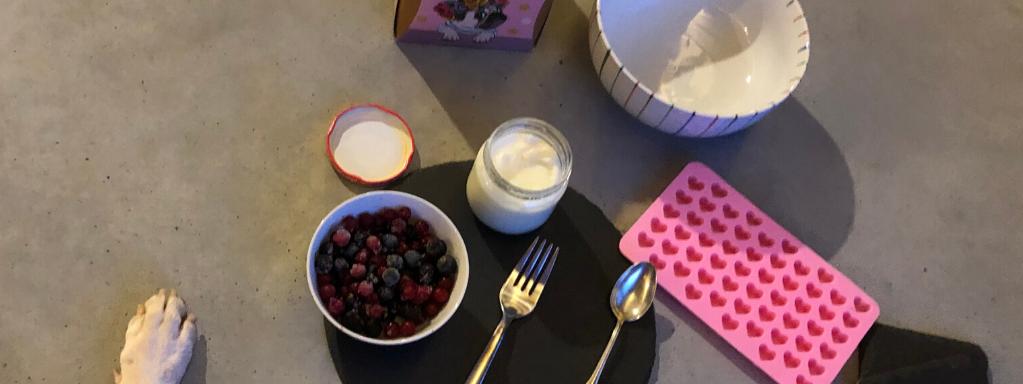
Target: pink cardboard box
x,y
511,25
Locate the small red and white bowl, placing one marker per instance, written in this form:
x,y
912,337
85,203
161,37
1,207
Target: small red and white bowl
x,y
370,144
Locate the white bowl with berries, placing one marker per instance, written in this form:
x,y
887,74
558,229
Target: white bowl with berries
x,y
387,268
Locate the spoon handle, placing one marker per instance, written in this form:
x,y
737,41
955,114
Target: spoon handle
x,y
603,358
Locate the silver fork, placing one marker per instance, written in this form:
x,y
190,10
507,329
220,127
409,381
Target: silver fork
x,y
518,298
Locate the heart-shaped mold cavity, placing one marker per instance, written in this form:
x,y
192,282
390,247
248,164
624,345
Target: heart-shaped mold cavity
x,y
727,322
657,262
827,353
742,270
791,361
766,354
692,293
802,306
752,330
728,284
824,276
693,219
765,277
861,305
849,320
742,234
802,345
717,262
815,369
716,300
728,248
836,297
777,299
753,255
682,198
825,313
706,241
656,226
765,314
813,329
789,321
802,380
681,233
718,191
752,219
717,226
729,212
778,338
800,268
645,241
777,262
789,284
788,247
681,270
706,205
765,240
753,292
693,255
741,307
671,212
813,291
695,184
838,337
668,248
704,277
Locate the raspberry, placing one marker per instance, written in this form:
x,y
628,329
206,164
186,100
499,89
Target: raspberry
x,y
366,289
423,293
440,295
358,271
343,292
404,213
408,328
398,226
335,307
365,220
415,246
373,298
341,237
373,244
422,228
401,248
327,292
375,311
379,260
408,292
431,310
362,257
392,330
389,214
350,223
446,283
322,278
405,281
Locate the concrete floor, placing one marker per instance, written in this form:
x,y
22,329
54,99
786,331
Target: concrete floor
x,y
179,144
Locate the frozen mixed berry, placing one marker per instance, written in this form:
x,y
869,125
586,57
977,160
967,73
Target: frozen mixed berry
x,y
447,265
408,292
401,248
423,293
385,293
341,237
405,281
390,241
365,289
352,300
353,321
412,258
395,261
413,313
436,248
358,271
374,328
392,330
324,263
327,292
350,251
365,220
408,328
430,310
373,279
422,228
374,311
446,283
404,213
359,239
398,226
362,257
323,278
426,273
391,277
373,244
340,265
335,307
327,248
389,214
350,223
373,298
440,295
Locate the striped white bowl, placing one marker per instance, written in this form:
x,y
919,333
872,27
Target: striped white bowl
x,y
699,68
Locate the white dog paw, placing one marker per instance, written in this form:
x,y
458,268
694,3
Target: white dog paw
x,y
484,37
158,343
450,35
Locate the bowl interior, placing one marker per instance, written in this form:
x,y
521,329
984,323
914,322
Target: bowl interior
x,y
440,224
714,57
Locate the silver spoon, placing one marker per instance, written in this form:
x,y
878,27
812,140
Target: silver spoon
x,y
630,299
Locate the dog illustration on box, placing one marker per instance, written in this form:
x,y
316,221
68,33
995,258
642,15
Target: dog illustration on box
x,y
479,18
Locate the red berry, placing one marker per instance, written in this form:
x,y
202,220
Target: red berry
x,y
373,298
408,328
350,223
362,257
424,239
404,213
431,310
415,246
422,228
344,291
422,294
375,311
335,307
389,214
440,295
401,248
380,271
408,292
358,271
353,287
322,278
398,226
365,220
365,289
327,292
341,237
378,260
373,244
446,283
405,280
392,330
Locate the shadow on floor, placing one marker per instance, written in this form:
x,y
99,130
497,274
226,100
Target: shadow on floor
x,y
196,371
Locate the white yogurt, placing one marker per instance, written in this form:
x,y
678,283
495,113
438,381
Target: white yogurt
x,y
515,190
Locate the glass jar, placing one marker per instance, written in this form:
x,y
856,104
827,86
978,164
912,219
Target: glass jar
x,y
519,175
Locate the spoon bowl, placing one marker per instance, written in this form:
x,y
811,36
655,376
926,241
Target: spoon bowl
x,y
631,298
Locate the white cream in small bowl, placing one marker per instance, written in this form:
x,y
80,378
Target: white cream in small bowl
x,y
370,144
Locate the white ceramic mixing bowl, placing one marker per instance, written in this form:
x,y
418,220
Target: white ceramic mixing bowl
x,y
699,68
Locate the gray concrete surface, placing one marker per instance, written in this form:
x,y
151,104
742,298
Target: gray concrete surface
x,y
179,144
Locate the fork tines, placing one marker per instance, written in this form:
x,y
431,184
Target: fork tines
x,y
535,267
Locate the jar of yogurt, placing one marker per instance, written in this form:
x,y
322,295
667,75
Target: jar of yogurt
x,y
519,175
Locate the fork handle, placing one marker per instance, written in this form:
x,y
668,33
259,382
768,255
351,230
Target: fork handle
x,y
478,372
603,358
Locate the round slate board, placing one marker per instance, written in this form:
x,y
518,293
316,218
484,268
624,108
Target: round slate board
x,y
560,342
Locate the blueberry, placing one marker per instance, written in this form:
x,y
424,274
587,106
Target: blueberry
x,y
412,312
352,300
391,277
389,240
374,329
426,272
359,239
340,265
447,265
353,321
412,258
385,293
327,248
436,248
324,263
350,251
395,261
